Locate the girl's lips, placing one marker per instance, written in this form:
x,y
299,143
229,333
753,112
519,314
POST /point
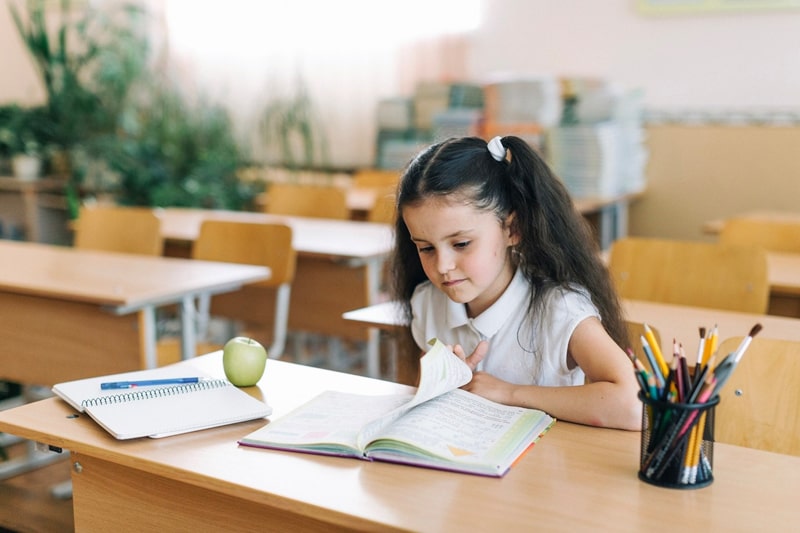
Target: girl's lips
x,y
451,283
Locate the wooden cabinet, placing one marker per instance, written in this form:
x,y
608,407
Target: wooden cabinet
x,y
33,210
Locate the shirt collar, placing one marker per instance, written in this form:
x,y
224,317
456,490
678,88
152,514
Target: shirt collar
x,y
491,320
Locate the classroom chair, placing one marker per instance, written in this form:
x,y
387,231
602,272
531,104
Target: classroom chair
x,y
307,201
133,230
772,235
691,273
758,404
254,244
636,331
384,208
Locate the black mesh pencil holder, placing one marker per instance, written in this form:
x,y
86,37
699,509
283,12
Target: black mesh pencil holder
x,y
677,449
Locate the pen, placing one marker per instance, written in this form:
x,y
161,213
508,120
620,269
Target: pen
x,y
146,382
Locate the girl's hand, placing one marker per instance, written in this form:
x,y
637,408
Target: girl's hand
x,y
490,387
475,357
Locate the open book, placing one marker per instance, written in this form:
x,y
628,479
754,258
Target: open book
x,y
441,426
161,410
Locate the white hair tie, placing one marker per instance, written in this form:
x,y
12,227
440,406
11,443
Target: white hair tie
x,y
497,149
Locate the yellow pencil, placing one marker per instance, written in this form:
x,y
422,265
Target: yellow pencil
x,y
711,344
651,340
688,458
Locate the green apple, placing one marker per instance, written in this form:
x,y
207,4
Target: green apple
x,y
244,361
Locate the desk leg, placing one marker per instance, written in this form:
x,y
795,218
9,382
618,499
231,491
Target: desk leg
x,y
613,223
147,323
188,337
374,271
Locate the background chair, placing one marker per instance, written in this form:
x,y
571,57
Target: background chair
x,y
635,334
691,273
758,404
384,208
262,303
307,201
134,230
773,235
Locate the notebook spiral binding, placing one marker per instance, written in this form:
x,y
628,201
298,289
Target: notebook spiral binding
x,y
156,392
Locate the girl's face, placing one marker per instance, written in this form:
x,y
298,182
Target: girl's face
x,y
464,251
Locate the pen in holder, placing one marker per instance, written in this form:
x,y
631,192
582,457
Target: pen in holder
x,y
677,448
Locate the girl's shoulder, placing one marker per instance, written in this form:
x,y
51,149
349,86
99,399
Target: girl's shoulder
x,y
572,297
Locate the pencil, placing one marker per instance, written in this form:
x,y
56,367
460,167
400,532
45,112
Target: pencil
x,y
651,339
710,344
651,359
700,350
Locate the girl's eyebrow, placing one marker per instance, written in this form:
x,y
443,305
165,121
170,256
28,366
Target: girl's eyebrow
x,y
458,233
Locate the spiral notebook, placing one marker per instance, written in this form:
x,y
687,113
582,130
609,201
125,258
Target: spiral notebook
x,y
161,410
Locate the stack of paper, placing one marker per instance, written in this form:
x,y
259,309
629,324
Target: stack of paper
x,y
523,100
601,159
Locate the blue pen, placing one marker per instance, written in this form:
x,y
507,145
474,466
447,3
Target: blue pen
x,y
146,382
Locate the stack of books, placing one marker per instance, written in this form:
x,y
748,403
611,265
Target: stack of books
x,y
522,106
598,148
436,110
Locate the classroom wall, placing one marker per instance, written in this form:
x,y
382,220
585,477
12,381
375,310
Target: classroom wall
x,y
725,63
731,60
698,69
698,173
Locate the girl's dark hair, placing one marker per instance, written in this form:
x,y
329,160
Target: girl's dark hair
x,y
556,244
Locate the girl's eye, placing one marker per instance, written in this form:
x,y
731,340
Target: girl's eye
x,y
461,244
425,249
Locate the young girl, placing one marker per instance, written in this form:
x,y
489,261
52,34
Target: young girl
x,y
492,258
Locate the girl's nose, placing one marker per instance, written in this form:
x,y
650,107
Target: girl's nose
x,y
445,263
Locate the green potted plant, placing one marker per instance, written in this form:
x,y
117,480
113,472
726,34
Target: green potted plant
x,y
27,135
88,61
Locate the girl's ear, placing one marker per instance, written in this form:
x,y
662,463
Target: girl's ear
x,y
512,231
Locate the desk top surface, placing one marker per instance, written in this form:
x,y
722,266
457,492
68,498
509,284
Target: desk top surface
x,y
714,227
672,321
311,236
113,279
576,475
783,270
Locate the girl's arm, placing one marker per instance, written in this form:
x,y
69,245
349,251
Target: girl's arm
x,y
608,399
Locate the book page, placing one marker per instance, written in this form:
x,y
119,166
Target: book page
x,y
329,423
462,429
440,371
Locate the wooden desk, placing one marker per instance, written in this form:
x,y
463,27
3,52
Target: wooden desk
x,y
783,270
576,477
608,215
672,321
67,314
714,227
19,205
339,267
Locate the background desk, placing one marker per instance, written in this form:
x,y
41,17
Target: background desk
x,y
714,227
672,321
575,477
68,314
339,267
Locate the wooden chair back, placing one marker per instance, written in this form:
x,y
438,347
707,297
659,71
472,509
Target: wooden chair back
x,y
758,405
691,273
773,235
635,334
133,230
375,178
307,201
384,208
249,243
262,306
